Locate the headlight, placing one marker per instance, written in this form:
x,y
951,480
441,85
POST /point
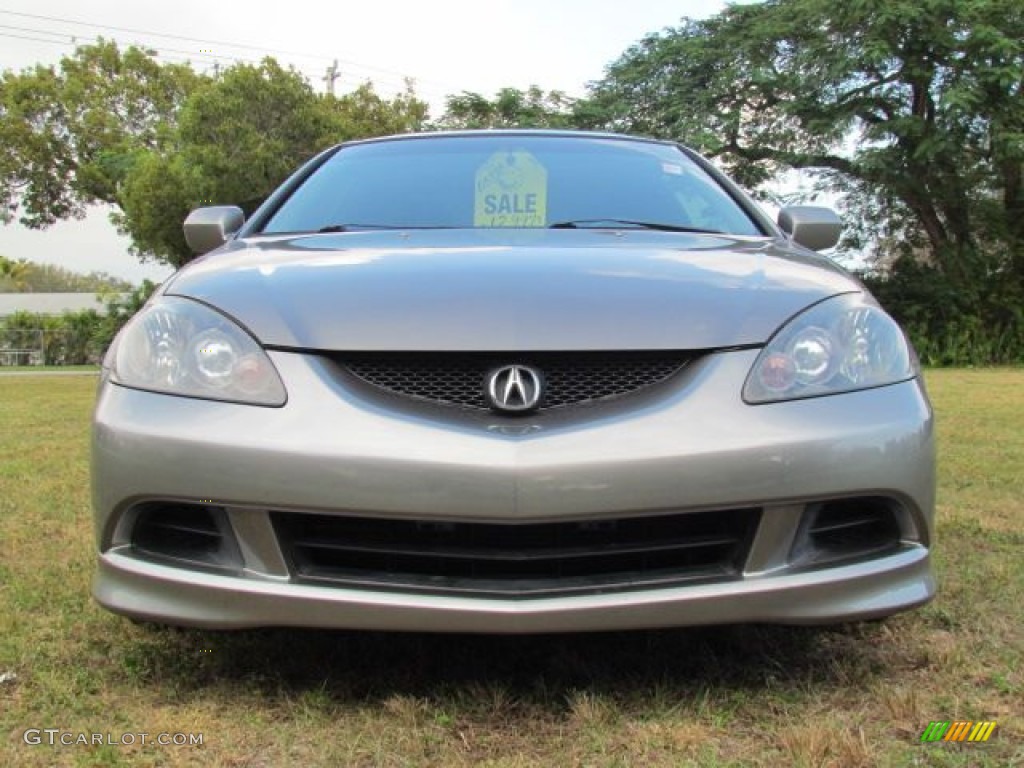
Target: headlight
x,y
842,344
181,347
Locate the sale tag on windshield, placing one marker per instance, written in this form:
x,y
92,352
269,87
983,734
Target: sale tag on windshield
x,y
511,191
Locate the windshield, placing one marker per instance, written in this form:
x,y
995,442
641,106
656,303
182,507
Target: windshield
x,y
510,180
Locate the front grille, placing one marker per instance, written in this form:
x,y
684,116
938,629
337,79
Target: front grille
x,y
457,378
189,533
516,559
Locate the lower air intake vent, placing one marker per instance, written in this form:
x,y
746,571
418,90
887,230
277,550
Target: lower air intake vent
x,y
192,533
516,560
849,528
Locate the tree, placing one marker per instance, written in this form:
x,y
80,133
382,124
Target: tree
x,y
510,108
25,276
912,109
71,134
235,138
915,105
363,113
156,140
14,275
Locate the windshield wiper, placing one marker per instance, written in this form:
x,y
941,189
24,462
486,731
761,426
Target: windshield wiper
x,y
355,227
597,223
363,227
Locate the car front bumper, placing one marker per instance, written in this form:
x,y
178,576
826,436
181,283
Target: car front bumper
x,y
694,446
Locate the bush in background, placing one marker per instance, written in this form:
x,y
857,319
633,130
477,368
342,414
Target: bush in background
x,y
976,320
73,338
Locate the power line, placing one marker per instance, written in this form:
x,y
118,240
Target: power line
x,y
39,31
150,33
178,56
243,46
75,40
70,39
37,39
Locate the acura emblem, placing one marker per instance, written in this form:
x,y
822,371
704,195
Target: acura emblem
x,y
515,388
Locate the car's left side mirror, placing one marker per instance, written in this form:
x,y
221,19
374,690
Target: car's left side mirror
x,y
209,228
811,226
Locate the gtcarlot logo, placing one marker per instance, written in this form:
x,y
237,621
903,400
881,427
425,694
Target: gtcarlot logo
x,y
55,737
958,730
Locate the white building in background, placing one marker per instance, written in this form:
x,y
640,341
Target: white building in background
x,y
50,303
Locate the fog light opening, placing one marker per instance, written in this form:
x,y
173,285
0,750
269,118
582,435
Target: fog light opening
x,y
193,534
846,529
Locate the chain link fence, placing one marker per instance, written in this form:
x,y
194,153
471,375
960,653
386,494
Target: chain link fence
x,y
45,346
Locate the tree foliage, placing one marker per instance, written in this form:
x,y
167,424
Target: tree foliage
x,y
23,276
913,109
234,139
156,140
916,103
71,133
510,108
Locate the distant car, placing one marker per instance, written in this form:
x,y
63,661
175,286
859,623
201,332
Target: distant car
x,y
511,381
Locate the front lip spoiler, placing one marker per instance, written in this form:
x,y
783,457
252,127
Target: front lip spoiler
x,y
862,590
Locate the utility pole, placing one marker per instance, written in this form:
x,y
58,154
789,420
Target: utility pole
x,y
332,74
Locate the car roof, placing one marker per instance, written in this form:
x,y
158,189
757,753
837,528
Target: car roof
x,y
498,132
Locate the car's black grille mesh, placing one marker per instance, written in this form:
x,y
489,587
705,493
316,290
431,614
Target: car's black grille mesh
x,y
518,559
457,378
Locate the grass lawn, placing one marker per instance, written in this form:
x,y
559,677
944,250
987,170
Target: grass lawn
x,y
858,695
49,369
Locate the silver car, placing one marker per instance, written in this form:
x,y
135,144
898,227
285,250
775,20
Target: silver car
x,y
511,381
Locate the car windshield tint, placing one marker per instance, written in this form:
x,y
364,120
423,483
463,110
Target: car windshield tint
x,y
510,181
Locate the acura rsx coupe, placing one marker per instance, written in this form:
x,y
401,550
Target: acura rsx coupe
x,y
511,381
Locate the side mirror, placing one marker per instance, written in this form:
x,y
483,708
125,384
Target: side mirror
x,y
811,226
209,228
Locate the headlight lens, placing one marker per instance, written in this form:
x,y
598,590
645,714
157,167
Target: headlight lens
x,y
840,345
181,347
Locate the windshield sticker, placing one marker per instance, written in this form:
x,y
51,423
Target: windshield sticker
x,y
511,191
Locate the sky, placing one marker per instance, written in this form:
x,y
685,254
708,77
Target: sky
x,y
445,46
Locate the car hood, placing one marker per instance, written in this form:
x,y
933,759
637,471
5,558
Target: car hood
x,y
510,290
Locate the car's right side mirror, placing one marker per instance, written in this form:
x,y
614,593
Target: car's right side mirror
x,y
209,228
811,226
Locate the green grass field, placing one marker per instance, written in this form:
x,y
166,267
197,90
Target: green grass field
x,y
857,695
49,369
